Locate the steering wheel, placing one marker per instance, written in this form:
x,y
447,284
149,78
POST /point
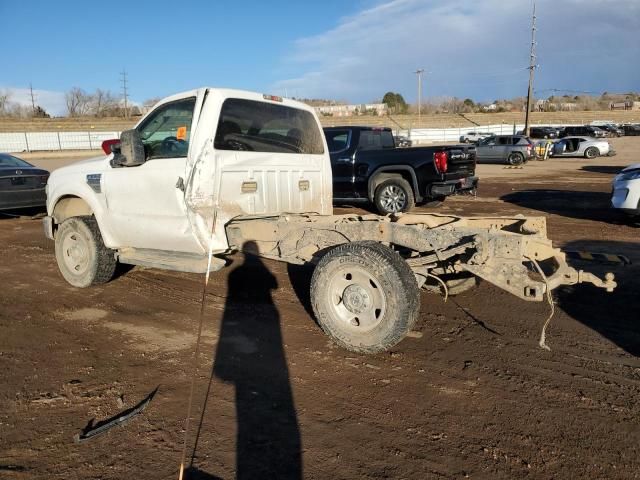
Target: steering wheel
x,y
172,144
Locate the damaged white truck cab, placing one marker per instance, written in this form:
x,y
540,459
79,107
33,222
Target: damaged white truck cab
x,y
212,171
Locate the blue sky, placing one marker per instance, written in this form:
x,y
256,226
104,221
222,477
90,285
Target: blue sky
x,y
346,50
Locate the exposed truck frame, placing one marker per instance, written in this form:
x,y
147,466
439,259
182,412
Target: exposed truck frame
x,y
369,269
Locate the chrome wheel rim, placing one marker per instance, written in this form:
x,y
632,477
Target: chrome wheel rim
x,y
393,199
356,298
75,253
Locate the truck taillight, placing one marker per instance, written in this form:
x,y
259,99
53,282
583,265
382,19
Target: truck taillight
x,y
108,144
440,160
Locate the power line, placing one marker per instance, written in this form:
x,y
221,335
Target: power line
x,y
419,72
532,67
125,95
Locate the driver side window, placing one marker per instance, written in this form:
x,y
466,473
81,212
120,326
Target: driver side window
x,y
166,132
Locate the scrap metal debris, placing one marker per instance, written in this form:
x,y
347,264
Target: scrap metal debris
x,y
93,430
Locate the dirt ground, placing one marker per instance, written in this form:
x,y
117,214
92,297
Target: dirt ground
x,y
468,395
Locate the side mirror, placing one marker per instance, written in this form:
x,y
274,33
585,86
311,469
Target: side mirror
x,y
131,150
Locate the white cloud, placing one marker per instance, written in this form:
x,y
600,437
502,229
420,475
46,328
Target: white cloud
x,y
469,48
53,102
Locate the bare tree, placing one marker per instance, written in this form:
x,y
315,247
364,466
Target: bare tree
x,y
5,95
78,102
102,101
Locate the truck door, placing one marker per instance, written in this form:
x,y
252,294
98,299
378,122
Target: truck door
x,y
146,202
339,143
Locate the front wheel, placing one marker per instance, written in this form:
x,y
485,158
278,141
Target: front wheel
x,y
591,152
82,258
394,196
364,296
515,158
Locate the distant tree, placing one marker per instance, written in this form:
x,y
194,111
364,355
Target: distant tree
x,y
40,112
395,102
469,103
78,102
4,102
102,101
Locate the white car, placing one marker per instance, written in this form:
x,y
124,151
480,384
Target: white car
x,y
474,137
626,190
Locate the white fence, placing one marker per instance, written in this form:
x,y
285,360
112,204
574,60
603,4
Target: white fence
x,y
431,135
33,141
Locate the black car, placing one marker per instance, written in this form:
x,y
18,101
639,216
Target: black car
x,y
367,166
21,184
631,130
541,132
582,131
612,130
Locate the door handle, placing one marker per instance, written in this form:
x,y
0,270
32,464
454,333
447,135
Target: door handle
x,y
344,160
180,184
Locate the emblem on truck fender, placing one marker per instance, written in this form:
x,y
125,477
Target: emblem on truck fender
x,y
93,180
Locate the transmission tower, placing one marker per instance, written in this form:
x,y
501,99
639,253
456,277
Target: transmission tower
x,y
125,94
33,101
532,67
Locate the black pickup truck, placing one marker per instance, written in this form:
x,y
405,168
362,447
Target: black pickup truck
x,y
368,167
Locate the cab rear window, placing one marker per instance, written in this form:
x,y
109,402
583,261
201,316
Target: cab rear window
x,y
265,127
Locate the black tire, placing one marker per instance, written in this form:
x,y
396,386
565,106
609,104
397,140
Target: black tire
x,y
364,296
591,152
515,158
82,258
394,196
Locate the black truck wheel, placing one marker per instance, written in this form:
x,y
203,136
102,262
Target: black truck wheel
x,y
364,296
82,257
515,158
394,196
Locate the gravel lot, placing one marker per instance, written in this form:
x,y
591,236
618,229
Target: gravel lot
x,y
469,395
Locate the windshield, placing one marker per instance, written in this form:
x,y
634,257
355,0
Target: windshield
x,y
11,161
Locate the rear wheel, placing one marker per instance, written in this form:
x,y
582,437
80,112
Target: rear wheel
x,y
591,152
394,196
515,158
364,296
82,258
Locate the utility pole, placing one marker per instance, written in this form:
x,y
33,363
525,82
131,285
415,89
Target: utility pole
x,y
532,67
419,72
33,101
125,95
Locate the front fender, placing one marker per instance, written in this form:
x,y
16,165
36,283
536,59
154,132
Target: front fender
x,y
96,201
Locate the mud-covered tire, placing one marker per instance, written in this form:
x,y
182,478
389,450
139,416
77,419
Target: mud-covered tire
x,y
591,152
394,196
515,158
364,296
82,258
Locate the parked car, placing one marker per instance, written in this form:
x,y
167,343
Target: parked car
x,y
402,141
22,185
541,132
583,130
611,130
511,149
626,190
474,137
631,130
367,167
582,147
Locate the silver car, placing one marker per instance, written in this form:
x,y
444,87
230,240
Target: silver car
x,y
474,137
511,149
587,147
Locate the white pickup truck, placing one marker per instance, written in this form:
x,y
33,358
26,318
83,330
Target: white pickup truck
x,y
213,171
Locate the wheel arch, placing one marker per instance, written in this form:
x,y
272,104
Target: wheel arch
x,y
394,171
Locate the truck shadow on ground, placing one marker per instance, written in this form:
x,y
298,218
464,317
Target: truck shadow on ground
x,y
250,355
583,205
606,169
613,315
